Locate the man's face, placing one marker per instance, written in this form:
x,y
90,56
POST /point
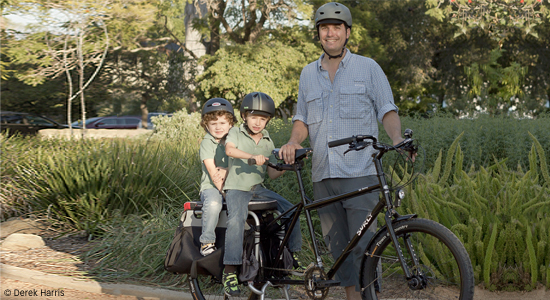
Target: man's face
x,y
256,123
333,37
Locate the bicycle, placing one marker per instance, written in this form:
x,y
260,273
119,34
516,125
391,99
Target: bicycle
x,y
407,258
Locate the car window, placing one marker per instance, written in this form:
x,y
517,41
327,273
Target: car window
x,y
108,121
34,120
7,119
132,121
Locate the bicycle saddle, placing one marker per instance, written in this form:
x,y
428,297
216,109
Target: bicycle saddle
x,y
300,153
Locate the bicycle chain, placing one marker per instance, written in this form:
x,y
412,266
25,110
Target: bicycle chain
x,y
311,273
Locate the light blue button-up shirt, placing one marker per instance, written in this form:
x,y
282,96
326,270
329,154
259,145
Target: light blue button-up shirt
x,y
359,96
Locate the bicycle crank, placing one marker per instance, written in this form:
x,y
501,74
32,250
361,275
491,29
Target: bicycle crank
x,y
316,283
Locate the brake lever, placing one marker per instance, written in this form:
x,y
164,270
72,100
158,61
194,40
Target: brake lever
x,y
358,146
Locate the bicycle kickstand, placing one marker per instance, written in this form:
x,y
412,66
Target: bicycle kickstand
x,y
261,293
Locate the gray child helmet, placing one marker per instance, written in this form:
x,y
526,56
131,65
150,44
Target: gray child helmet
x,y
333,13
258,103
216,104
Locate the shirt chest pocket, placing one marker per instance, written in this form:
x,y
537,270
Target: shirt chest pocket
x,y
314,103
354,103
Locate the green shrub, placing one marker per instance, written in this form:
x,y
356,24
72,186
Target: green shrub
x,y
85,183
501,215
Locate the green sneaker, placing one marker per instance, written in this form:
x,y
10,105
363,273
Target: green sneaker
x,y
230,284
296,263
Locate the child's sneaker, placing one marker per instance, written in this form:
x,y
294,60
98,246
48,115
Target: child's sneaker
x,y
296,262
230,284
207,249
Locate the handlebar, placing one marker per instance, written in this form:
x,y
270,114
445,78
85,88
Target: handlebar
x,y
278,167
356,142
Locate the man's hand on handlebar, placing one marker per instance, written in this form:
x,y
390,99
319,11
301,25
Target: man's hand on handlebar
x,y
410,154
288,152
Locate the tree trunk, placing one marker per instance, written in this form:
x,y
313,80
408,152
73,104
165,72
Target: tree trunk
x,y
144,110
193,38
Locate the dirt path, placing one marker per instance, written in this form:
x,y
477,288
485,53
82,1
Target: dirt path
x,y
19,290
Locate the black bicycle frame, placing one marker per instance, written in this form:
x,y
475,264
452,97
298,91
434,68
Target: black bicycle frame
x,y
307,205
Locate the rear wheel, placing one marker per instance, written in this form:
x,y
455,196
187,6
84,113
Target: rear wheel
x,y
444,270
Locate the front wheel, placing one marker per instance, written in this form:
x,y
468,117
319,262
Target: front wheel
x,y
444,269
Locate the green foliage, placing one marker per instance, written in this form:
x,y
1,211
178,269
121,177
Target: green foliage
x,y
499,214
88,183
483,138
271,67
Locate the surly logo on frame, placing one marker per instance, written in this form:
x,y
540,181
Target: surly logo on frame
x,y
364,225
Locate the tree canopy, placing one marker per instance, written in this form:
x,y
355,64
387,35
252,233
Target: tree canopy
x,y
463,56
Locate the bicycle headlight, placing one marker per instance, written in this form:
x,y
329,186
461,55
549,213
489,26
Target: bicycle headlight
x,y
399,195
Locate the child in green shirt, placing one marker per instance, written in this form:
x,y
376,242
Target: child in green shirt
x,y
244,182
217,118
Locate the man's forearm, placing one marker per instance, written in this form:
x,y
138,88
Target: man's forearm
x,y
299,133
392,125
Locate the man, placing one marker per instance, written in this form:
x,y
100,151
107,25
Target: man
x,y
340,95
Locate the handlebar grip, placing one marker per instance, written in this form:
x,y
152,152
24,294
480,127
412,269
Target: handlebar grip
x,y
340,142
251,161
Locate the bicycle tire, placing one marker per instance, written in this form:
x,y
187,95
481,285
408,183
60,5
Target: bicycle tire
x,y
444,263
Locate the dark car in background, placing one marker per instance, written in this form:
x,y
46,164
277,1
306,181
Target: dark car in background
x,y
116,122
25,123
78,124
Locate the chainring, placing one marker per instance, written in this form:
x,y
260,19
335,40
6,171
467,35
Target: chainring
x,y
312,275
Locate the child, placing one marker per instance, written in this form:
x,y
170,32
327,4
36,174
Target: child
x,y
244,182
217,118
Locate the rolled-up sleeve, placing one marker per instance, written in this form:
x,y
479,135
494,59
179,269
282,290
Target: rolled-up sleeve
x,y
381,92
301,109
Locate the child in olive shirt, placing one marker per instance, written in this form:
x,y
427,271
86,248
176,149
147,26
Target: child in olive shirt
x,y
217,118
244,182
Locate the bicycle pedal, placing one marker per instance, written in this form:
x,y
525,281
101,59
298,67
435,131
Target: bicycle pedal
x,y
326,283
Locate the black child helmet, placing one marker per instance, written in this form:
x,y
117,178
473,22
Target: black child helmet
x,y
258,103
216,104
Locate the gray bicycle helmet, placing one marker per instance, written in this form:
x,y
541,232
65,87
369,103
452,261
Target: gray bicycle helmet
x,y
258,103
333,13
216,104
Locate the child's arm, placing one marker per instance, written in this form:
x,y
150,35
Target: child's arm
x,y
232,151
217,177
274,173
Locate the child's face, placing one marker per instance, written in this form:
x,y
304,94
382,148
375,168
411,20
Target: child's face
x,y
219,127
256,123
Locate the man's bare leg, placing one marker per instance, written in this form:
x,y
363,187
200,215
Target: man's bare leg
x,y
352,294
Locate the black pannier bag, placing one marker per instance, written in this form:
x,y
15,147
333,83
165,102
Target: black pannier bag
x,y
183,256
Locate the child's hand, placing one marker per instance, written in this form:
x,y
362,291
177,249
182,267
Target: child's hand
x,y
219,176
223,173
260,159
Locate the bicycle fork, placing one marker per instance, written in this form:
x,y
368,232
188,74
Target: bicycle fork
x,y
415,281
